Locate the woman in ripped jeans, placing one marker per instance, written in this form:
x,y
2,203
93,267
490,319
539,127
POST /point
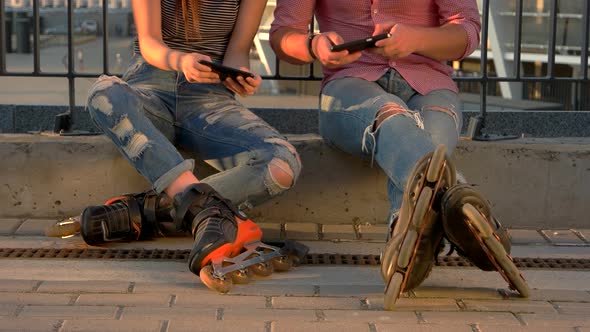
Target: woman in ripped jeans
x,y
167,98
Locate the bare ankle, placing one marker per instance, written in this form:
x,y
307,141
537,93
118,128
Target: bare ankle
x,y
177,186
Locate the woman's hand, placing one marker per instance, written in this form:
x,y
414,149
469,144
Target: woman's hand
x,y
194,72
243,87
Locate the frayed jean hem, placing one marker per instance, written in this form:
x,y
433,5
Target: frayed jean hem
x,y
166,180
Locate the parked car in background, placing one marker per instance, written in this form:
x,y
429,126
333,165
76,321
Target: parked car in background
x,y
89,26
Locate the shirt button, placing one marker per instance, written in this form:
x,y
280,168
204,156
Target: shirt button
x,y
374,11
392,63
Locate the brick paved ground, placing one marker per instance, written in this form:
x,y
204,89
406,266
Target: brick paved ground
x,y
51,305
98,295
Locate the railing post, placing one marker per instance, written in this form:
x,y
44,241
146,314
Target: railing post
x,y
477,123
3,38
63,121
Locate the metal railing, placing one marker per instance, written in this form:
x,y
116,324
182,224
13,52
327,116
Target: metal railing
x,y
483,79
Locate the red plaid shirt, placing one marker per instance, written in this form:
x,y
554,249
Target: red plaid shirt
x,y
357,19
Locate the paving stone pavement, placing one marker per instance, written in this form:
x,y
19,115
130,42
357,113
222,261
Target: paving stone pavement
x,y
126,295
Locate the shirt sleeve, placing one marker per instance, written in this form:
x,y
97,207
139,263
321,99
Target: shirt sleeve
x,y
296,14
464,13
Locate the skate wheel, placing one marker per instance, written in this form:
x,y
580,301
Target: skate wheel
x,y
387,259
263,269
220,284
420,211
436,162
401,226
64,228
282,263
509,269
242,276
471,212
393,290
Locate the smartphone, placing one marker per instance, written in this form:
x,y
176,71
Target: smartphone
x,y
359,44
224,71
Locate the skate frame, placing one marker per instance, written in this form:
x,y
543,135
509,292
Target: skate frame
x,y
241,262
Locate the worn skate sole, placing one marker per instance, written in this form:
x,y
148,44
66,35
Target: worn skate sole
x,y
400,252
490,243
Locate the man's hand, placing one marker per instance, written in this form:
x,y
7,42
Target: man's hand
x,y
196,72
321,45
404,40
243,87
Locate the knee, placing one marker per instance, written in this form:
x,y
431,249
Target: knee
x,y
448,111
391,110
445,112
387,111
284,168
102,94
281,173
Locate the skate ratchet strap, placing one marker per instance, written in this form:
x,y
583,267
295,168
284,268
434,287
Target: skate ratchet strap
x,y
210,213
203,194
135,222
149,208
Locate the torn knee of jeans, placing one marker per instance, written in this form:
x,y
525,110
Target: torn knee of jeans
x,y
390,110
282,142
284,168
98,98
136,145
449,111
387,111
123,128
102,104
281,173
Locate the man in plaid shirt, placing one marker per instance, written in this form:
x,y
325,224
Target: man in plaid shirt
x,y
397,104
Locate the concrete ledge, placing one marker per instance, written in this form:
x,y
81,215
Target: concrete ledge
x,y
532,183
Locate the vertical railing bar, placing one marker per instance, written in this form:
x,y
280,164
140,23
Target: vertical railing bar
x,y
277,67
576,95
586,24
484,59
518,38
311,31
2,37
105,49
71,63
36,33
552,39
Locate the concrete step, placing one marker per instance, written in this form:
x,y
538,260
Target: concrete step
x,y
531,183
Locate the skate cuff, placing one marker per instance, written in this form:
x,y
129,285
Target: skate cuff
x,y
203,196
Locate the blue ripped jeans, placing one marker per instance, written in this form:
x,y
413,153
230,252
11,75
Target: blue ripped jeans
x,y
348,110
149,111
